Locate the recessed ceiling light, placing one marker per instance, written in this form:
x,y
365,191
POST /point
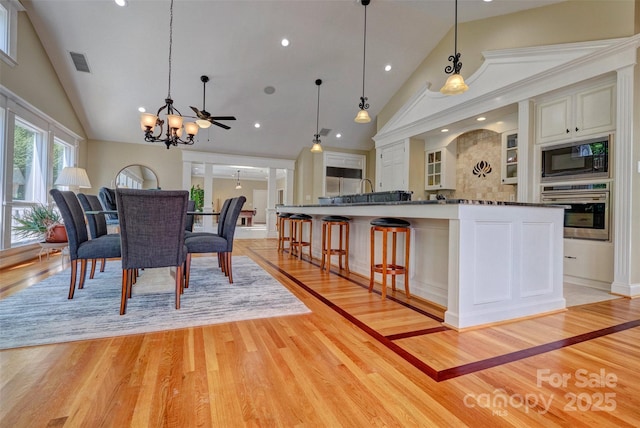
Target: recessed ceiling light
x,y
121,2
444,130
269,90
142,109
338,135
257,125
284,42
387,67
487,1
481,118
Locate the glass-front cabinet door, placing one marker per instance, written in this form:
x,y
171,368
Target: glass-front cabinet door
x,y
510,157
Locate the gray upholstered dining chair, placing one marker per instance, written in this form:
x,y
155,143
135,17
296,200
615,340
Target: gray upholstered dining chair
x,y
108,201
152,228
97,225
221,244
81,248
221,216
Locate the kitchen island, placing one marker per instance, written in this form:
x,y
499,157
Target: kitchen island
x,y
485,261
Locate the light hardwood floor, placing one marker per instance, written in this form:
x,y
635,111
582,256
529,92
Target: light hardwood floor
x,y
355,361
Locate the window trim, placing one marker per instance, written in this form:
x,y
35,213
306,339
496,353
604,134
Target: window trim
x,y
12,7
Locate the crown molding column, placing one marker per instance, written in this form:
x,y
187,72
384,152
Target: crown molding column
x,y
623,281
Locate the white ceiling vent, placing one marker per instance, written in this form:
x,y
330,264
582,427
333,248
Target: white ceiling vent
x,y
80,62
324,132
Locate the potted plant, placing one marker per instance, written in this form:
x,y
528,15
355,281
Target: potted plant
x,y
40,221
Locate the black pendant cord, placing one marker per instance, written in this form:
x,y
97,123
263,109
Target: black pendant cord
x,y
318,82
455,32
170,45
364,53
363,100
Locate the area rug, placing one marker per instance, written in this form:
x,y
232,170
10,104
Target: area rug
x,y
42,314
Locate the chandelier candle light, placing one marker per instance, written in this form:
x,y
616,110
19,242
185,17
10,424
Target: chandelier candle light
x,y
363,114
455,83
317,148
174,131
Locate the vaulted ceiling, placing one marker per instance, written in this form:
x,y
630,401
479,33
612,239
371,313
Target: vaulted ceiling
x,y
237,44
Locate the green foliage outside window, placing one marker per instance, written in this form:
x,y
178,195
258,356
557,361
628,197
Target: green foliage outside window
x,y
197,195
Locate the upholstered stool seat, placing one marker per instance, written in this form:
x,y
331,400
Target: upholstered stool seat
x,y
394,226
283,235
296,237
342,251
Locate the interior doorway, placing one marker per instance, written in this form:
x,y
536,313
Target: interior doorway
x,y
260,205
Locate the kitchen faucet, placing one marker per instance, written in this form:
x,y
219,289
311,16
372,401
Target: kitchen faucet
x,y
362,185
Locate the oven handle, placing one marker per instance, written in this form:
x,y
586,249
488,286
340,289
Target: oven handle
x,y
575,199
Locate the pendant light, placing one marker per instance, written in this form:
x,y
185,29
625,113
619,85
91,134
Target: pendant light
x,y
363,114
455,83
149,121
317,148
238,185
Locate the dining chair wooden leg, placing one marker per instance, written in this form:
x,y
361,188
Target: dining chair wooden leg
x,y
130,276
103,262
125,288
74,273
83,273
178,285
187,270
93,268
229,267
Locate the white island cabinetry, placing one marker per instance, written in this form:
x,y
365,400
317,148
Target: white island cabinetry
x,y
484,262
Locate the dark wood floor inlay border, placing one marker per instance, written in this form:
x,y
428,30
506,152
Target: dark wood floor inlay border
x,y
452,372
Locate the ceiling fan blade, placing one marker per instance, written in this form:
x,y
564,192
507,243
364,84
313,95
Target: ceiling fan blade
x,y
198,113
223,117
221,125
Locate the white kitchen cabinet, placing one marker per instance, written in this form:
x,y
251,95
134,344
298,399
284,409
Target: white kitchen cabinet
x,y
393,165
588,263
440,168
509,170
579,114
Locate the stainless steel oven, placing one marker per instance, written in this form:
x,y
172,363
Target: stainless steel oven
x,y
586,215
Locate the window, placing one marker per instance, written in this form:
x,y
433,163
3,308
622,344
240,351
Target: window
x,y
9,30
33,153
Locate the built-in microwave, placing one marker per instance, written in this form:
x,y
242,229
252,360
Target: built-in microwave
x,y
582,160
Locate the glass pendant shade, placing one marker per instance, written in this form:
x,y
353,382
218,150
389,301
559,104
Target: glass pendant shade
x,y
148,120
204,124
191,128
454,86
316,148
175,120
362,117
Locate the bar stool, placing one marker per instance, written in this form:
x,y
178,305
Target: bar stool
x,y
283,236
390,225
296,240
342,251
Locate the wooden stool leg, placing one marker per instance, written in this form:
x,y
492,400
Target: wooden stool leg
x,y
340,246
346,248
372,245
384,265
323,247
329,246
310,239
393,260
406,264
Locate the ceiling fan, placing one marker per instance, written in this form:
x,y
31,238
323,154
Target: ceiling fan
x,y
204,117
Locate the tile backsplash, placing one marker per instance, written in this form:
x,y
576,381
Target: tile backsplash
x,y
478,168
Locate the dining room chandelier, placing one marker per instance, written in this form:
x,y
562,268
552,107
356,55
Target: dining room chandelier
x,y
317,148
363,114
455,83
174,130
238,185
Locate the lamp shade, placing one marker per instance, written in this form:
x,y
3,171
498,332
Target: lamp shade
x,y
148,121
454,85
73,177
204,124
316,148
175,121
191,128
362,117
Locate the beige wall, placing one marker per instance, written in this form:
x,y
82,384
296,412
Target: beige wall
x,y
106,158
566,22
35,81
